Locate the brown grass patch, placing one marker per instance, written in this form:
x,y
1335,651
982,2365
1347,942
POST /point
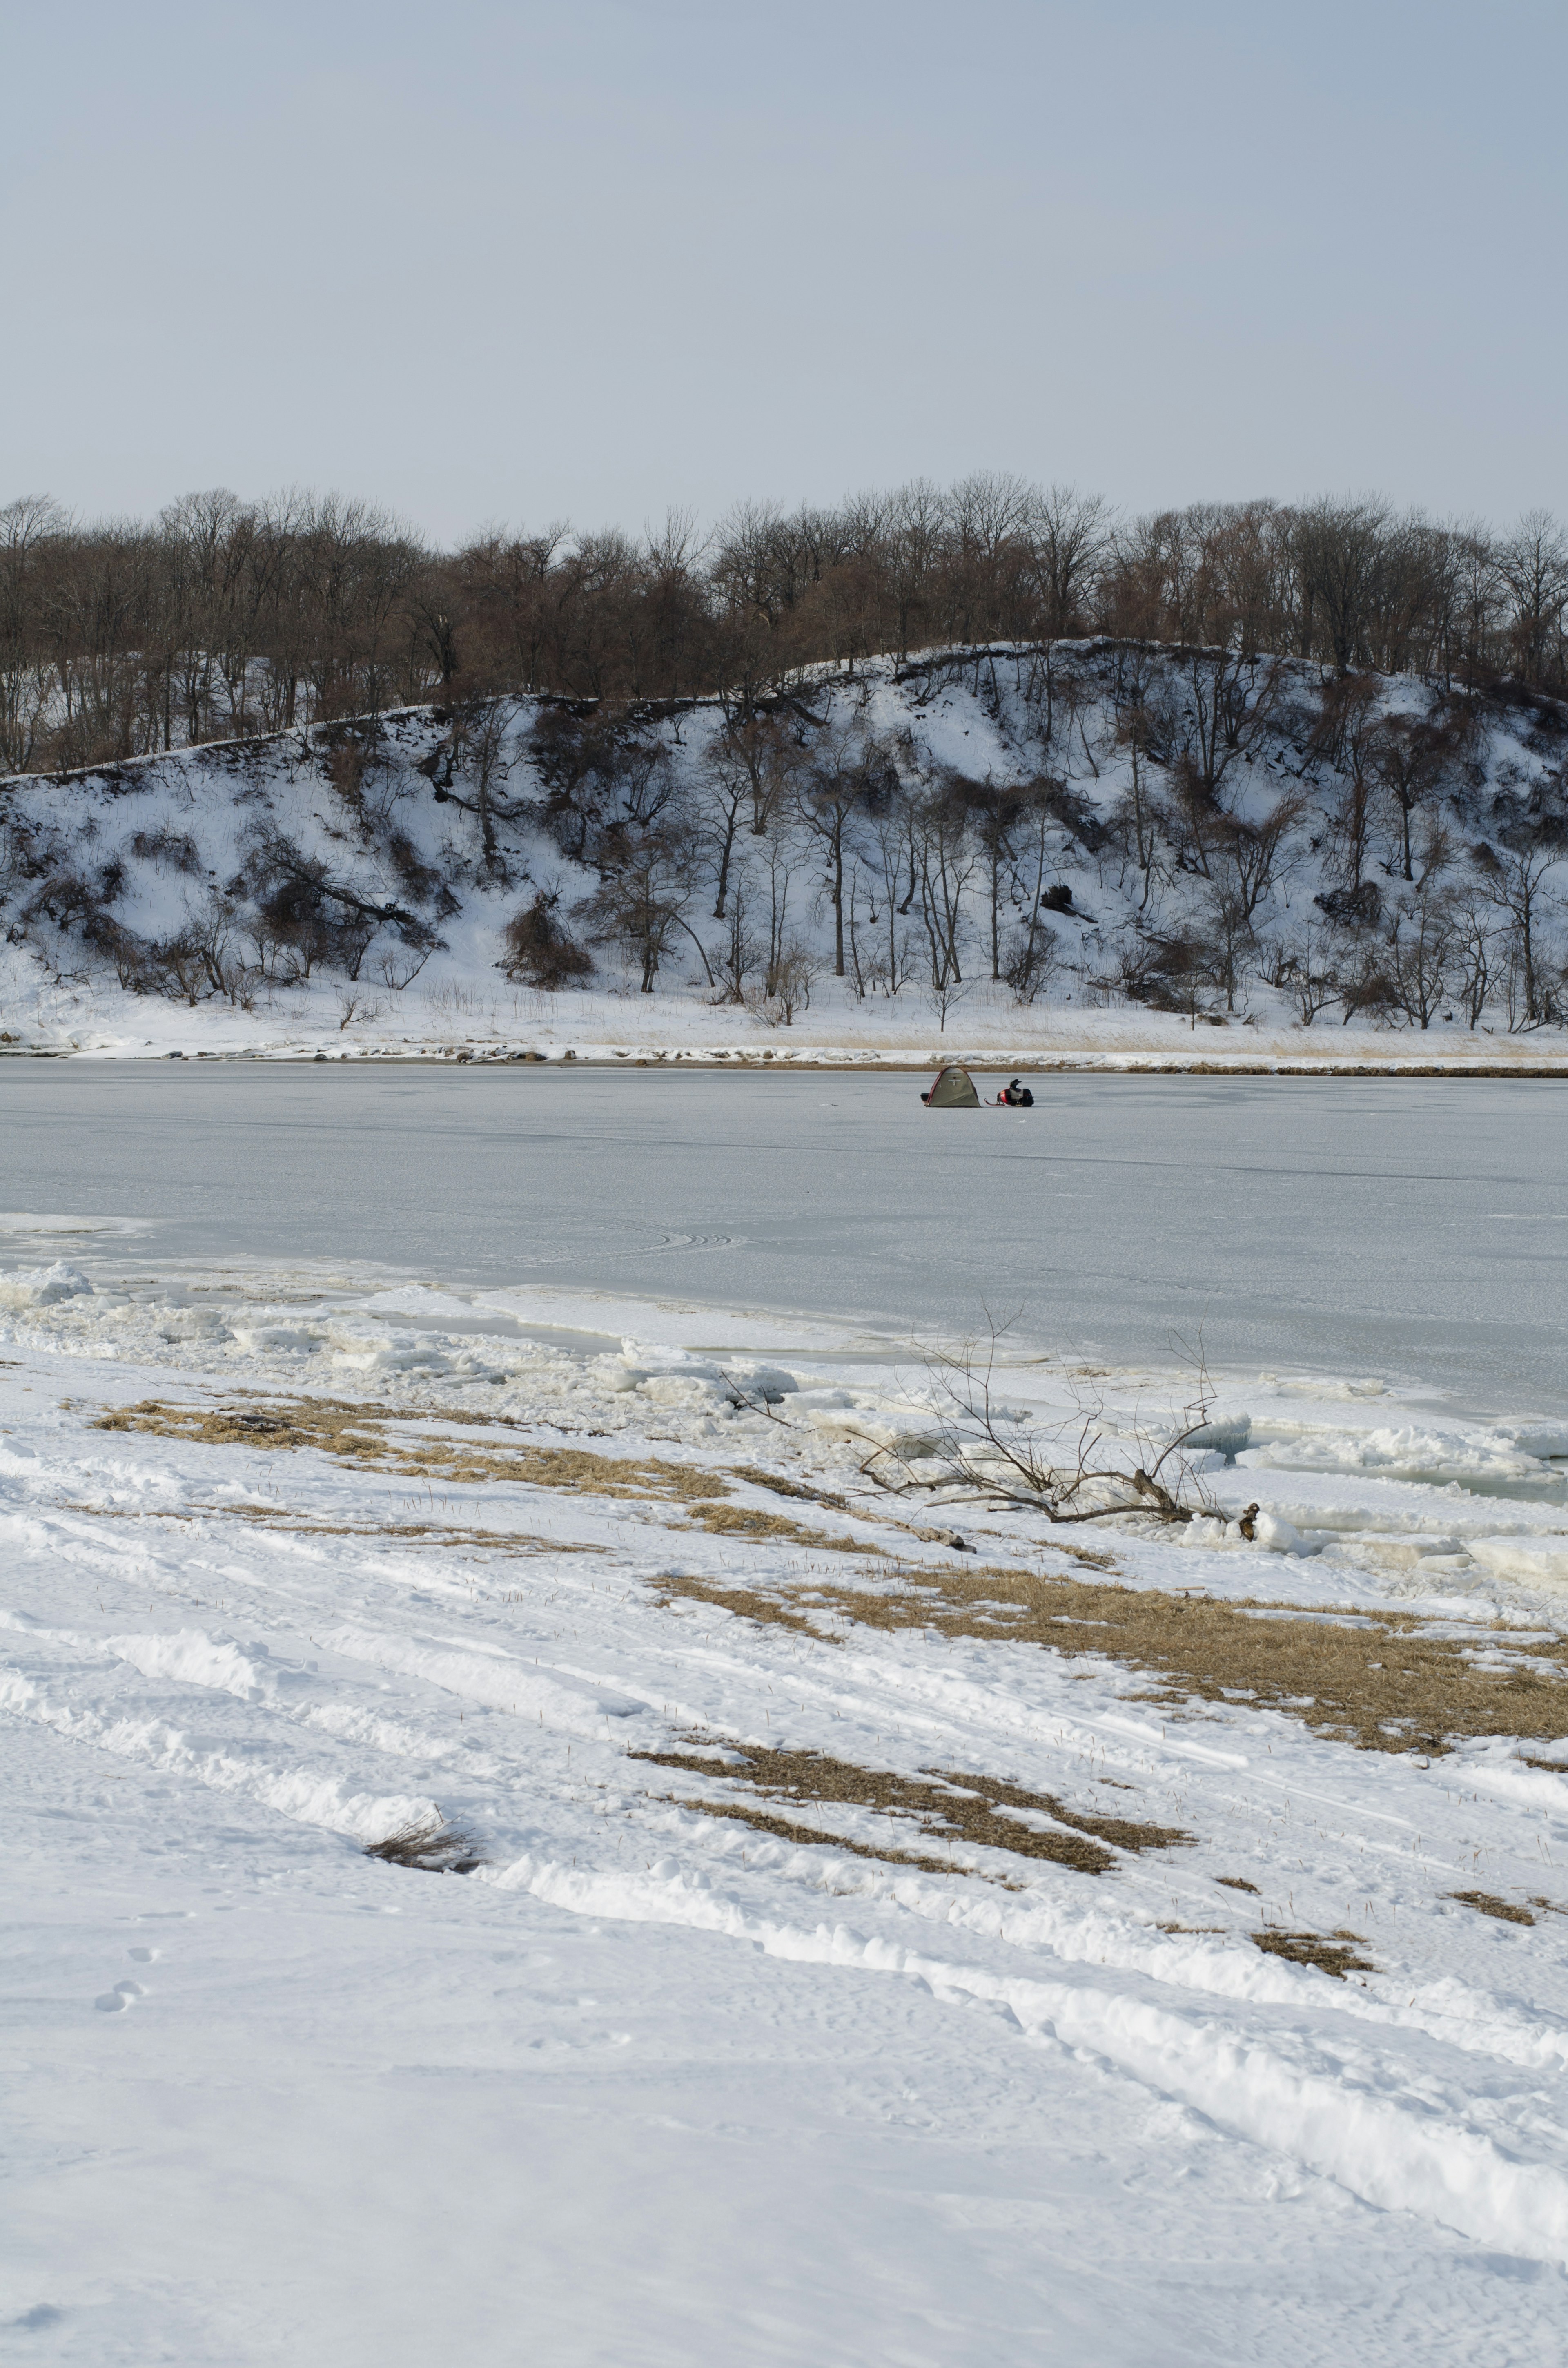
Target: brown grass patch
x,y
757,1478
430,1533
278,1516
1490,1905
1236,1883
1383,1680
359,1435
1335,1955
750,1521
787,1829
743,1602
947,1804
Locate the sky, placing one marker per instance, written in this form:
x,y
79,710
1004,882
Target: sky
x,y
514,264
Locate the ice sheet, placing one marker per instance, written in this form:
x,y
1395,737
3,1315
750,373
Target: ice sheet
x,y
1340,1228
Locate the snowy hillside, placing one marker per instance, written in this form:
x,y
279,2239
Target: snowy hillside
x,y
1074,849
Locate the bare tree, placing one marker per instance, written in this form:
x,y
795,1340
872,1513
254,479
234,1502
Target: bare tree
x,y
1475,939
722,788
1422,959
739,948
481,752
1533,563
1408,763
844,771
792,976
1302,970
944,857
1255,855
1516,882
1066,536
944,994
642,903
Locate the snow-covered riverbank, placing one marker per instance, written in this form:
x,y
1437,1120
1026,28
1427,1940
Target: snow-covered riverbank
x,y
467,1020
1160,2021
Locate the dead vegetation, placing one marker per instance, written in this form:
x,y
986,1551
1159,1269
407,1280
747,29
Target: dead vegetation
x,y
945,1804
429,1845
779,1486
423,1534
1488,1903
282,1517
800,1611
1383,1680
1337,1955
749,1522
1086,1468
364,1436
359,1434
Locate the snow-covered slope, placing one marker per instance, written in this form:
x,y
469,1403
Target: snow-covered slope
x,y
1151,847
1216,2039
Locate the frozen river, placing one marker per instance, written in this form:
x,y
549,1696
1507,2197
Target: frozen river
x,y
1414,1230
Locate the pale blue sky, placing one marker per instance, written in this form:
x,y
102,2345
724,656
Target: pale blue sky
x,y
485,261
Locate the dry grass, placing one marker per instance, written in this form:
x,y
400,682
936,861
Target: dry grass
x,y
779,1486
513,1542
1236,1883
945,1804
359,1435
1490,1905
743,1602
750,1521
431,1846
788,1829
1382,1681
1337,1955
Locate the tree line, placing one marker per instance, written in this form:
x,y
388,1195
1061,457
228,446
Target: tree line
x,y
226,619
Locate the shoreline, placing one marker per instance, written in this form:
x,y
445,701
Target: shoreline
x,y
891,1064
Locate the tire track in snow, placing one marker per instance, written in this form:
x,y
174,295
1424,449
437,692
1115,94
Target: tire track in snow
x,y
1393,2151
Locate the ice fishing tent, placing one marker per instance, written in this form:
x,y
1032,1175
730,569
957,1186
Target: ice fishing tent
x,y
954,1090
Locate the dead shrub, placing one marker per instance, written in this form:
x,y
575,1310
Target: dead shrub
x,y
174,850
540,950
429,1845
1075,1471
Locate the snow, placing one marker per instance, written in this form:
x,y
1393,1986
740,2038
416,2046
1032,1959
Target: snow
x,y
655,2086
152,842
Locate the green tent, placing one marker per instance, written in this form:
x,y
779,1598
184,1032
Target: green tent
x,y
954,1090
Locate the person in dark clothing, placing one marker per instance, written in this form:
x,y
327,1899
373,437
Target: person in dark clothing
x,y
1015,1096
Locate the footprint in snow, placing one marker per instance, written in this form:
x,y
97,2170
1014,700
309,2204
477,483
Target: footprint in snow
x,y
143,1956
115,2001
